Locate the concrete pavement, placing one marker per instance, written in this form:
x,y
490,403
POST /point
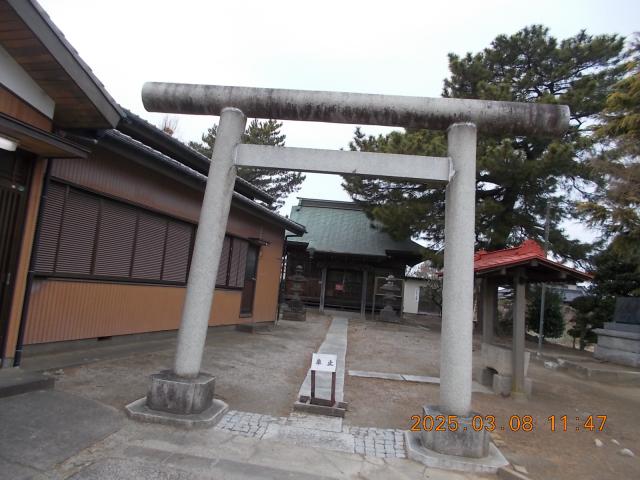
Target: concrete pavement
x,y
58,435
153,451
41,429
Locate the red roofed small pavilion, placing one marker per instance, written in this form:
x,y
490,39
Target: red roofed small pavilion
x,y
530,256
516,267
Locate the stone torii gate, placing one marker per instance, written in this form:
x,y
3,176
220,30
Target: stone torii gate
x,y
185,395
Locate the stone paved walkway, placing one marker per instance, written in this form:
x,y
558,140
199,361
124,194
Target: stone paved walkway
x,y
335,342
317,431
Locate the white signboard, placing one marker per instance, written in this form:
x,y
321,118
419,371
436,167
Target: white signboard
x,y
324,362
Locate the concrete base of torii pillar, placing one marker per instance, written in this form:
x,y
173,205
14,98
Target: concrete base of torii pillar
x,y
490,463
178,401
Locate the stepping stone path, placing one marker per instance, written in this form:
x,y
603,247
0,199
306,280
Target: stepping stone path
x,y
317,431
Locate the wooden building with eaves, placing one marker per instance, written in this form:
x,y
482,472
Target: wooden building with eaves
x,y
98,208
342,253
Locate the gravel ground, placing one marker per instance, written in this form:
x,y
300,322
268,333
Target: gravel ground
x,y
545,454
258,372
261,373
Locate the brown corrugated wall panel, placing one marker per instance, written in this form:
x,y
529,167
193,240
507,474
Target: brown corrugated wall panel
x,y
72,310
68,310
149,250
246,225
176,256
114,245
223,266
107,173
75,250
33,205
238,262
50,229
65,310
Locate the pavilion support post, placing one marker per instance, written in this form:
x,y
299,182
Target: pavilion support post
x,y
518,350
184,396
363,301
457,305
489,309
323,289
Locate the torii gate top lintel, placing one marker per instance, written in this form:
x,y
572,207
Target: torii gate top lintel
x,y
357,108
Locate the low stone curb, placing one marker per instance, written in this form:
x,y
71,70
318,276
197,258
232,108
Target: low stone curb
x,y
507,473
600,375
16,381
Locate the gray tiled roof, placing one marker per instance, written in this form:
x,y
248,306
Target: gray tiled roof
x,y
342,227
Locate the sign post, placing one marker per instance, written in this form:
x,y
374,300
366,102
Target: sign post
x,y
323,362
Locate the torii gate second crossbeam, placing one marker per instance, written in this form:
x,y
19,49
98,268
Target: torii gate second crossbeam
x,y
186,394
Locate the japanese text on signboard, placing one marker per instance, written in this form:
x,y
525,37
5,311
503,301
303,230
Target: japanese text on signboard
x,y
324,362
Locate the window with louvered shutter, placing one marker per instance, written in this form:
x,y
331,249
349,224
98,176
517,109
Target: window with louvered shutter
x,y
77,234
149,248
50,228
114,247
223,267
238,263
85,235
176,257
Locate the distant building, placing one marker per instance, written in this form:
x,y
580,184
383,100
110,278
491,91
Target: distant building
x,y
568,293
343,252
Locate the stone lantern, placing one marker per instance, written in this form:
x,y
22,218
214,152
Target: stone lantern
x,y
389,290
295,308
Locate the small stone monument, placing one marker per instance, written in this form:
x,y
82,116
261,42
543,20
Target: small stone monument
x,y
619,341
389,290
294,309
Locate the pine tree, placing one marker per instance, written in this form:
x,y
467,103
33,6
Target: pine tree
x,y
277,183
617,274
516,176
615,206
553,319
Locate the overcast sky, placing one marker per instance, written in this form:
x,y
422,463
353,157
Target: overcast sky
x,y
391,47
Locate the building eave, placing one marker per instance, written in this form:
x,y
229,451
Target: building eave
x,y
133,149
143,131
40,142
48,34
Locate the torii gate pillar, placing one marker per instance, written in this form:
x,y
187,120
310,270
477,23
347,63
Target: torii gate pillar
x,y
459,238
